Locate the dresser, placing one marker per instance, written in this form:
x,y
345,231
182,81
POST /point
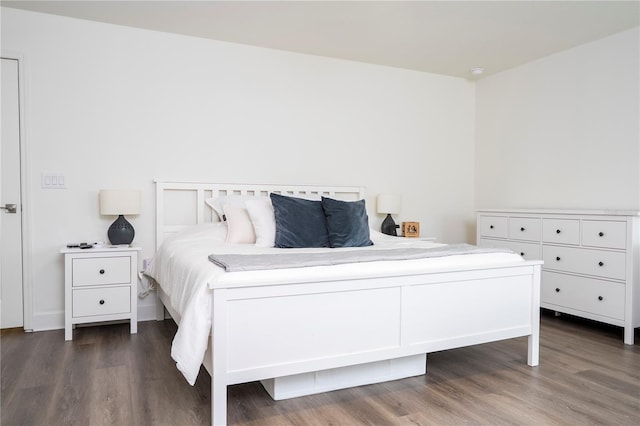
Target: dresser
x,y
591,259
100,284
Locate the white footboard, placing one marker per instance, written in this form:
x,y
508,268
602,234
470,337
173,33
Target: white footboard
x,y
273,331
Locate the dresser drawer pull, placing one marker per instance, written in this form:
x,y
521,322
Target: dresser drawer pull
x,y
490,226
601,234
102,301
558,231
557,290
600,298
522,253
600,263
522,229
558,258
101,271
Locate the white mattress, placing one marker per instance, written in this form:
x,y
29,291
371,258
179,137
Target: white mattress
x,y
182,269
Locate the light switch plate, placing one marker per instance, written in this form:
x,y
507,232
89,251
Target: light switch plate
x,y
53,181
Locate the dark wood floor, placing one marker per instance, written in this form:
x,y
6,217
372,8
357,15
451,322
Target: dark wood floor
x,y
587,376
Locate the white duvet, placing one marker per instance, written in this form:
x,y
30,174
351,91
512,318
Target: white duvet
x,y
182,268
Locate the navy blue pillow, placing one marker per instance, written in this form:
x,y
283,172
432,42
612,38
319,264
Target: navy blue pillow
x,y
299,223
347,222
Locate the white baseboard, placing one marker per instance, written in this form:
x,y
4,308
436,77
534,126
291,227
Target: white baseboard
x,y
54,320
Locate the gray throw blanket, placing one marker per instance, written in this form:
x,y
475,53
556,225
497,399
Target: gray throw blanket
x,y
286,259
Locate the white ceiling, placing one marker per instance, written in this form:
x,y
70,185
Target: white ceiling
x,y
442,37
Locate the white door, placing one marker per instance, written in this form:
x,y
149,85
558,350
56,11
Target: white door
x,y
11,302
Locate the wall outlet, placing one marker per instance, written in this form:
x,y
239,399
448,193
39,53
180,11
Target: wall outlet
x,y
145,263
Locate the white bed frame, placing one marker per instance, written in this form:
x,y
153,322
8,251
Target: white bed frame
x,y
342,333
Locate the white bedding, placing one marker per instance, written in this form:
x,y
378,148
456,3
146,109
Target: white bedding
x,y
182,269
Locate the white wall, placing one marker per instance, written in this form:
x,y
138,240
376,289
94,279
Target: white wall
x,y
116,107
563,131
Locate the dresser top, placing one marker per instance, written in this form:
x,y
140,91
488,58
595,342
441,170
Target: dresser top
x,y
611,212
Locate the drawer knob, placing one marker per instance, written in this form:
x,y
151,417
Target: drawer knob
x,y
490,226
522,229
558,258
522,253
601,234
558,231
101,271
557,290
600,298
102,301
600,263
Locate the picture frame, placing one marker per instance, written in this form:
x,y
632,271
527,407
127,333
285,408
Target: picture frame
x,y
411,229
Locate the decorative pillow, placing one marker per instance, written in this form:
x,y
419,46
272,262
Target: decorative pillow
x,y
299,223
264,221
347,223
239,226
218,203
217,206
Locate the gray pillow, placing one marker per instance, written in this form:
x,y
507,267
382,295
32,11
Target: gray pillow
x,y
347,223
299,223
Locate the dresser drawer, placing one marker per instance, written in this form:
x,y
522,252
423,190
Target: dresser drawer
x,y
561,231
494,226
590,295
528,251
101,270
511,245
524,228
101,301
603,233
601,263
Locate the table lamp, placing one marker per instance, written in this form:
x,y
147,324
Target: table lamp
x,y
389,204
115,202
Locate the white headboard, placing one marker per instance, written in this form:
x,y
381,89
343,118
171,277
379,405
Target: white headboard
x,y
181,204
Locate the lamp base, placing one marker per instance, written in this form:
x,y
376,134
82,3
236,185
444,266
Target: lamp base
x,y
389,226
121,232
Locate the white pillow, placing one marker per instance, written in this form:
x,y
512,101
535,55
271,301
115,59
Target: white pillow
x,y
218,203
239,227
263,219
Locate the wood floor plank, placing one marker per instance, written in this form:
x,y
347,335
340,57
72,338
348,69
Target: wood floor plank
x,y
109,394
106,376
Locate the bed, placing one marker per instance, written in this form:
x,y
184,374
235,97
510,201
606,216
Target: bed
x,y
302,330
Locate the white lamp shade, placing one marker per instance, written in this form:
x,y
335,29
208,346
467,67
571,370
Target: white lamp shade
x,y
118,201
389,203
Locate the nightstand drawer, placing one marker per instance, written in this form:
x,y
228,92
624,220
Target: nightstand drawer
x,y
561,231
101,301
606,234
584,294
524,228
494,226
101,270
601,263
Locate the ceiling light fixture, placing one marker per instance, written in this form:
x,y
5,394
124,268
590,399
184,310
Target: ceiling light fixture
x,y
477,70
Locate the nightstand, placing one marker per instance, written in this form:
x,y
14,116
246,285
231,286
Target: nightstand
x,y
100,284
430,239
